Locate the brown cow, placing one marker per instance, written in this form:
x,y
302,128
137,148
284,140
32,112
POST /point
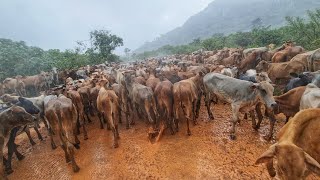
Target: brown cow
x,y
232,60
108,106
77,101
142,99
187,96
298,149
152,80
121,92
250,62
85,96
140,80
164,99
278,71
62,116
286,54
289,103
12,85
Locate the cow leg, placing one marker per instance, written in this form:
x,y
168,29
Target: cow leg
x,y
27,130
85,134
100,119
169,116
114,130
253,119
51,133
38,133
2,170
272,122
208,103
187,113
194,113
70,151
198,107
120,118
11,150
235,116
259,113
176,116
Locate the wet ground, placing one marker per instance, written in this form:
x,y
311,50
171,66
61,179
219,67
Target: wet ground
x,y
206,154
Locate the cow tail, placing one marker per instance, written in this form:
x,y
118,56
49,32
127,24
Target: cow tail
x,y
181,105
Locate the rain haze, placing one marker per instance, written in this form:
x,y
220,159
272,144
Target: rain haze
x,y
59,24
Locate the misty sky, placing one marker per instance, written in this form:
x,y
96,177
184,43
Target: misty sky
x,y
58,24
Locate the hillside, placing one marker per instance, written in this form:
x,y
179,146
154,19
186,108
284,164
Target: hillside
x,y
228,16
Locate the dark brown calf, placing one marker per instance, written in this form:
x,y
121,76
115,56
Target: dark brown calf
x,y
164,99
62,116
187,96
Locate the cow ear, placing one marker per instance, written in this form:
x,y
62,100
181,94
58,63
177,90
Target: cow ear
x,y
267,156
312,164
295,75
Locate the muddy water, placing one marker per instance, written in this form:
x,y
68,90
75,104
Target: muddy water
x,y
206,154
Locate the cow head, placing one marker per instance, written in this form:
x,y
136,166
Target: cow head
x,y
262,66
266,90
27,105
292,162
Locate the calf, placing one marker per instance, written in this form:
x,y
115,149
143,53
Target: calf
x,y
85,96
298,149
142,99
108,106
164,99
121,92
289,103
62,116
10,118
77,101
187,96
243,95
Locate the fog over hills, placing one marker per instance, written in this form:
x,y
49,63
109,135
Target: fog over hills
x,y
228,16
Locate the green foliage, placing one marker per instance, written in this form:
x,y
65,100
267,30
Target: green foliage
x,y
104,43
16,58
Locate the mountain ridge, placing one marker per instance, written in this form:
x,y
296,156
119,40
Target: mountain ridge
x,y
222,16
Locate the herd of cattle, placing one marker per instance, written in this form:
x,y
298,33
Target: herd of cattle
x,y
163,91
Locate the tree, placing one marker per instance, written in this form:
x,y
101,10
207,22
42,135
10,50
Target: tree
x,y
103,42
127,51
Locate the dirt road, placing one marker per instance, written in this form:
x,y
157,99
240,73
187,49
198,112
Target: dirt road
x,y
206,154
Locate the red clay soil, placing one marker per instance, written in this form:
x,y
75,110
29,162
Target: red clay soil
x,y
206,154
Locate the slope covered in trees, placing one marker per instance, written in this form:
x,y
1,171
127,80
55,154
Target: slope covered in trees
x,y
305,32
230,16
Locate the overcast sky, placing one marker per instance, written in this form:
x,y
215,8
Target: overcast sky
x,y
57,24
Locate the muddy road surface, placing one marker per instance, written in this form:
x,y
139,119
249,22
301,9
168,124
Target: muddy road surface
x,y
206,154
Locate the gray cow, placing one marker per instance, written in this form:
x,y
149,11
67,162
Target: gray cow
x,y
243,95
